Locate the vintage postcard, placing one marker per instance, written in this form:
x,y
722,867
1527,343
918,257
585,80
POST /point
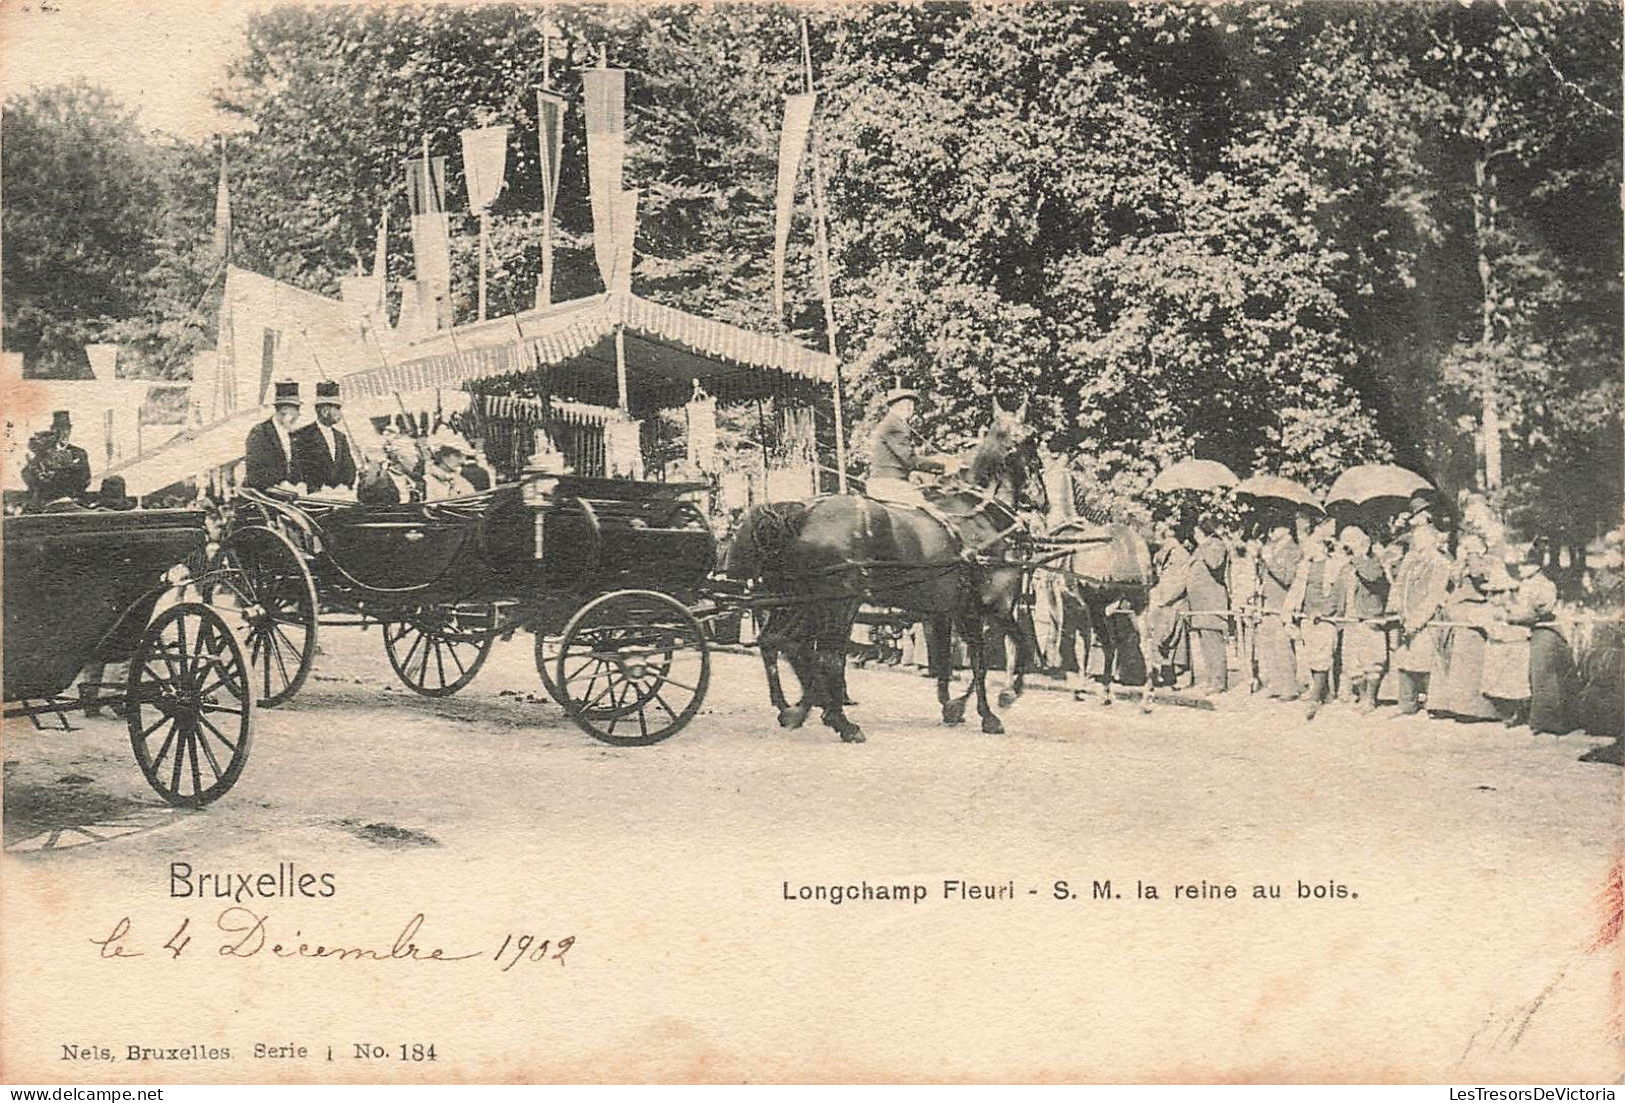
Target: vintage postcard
x,y
840,543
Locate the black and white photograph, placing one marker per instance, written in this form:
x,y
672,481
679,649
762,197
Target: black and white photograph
x,y
907,542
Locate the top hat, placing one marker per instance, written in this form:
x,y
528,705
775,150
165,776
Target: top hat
x,y
287,393
327,393
60,421
897,394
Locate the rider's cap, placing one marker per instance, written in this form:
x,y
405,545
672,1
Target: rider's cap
x,y
897,394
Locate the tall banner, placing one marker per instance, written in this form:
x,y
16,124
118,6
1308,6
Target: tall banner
x,y
626,227
431,248
798,114
222,212
605,107
431,229
421,197
550,140
380,249
485,164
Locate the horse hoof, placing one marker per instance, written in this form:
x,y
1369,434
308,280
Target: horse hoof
x,y
854,734
1007,697
953,713
992,726
792,718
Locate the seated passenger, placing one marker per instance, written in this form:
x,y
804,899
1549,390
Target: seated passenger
x,y
892,457
443,475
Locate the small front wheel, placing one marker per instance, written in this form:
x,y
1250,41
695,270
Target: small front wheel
x,y
437,650
632,668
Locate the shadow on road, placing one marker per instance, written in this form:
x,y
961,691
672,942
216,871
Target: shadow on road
x,y
70,812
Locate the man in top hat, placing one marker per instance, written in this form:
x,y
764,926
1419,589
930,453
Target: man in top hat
x,y
322,448
892,457
269,452
57,470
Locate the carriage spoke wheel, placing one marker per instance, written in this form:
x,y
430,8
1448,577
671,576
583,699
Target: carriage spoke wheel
x,y
189,706
547,658
438,649
632,668
262,576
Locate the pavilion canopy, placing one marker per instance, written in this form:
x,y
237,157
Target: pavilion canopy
x,y
569,351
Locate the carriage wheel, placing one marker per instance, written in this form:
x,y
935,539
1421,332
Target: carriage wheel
x,y
260,572
547,657
189,706
632,668
438,649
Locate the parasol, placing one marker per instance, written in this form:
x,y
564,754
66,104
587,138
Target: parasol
x,y
1195,475
1371,481
1276,488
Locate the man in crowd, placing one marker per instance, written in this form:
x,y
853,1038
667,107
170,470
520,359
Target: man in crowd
x,y
1278,566
1209,602
1421,585
892,457
1365,640
322,448
269,456
1317,593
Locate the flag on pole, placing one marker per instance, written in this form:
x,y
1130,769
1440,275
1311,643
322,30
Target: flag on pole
x,y
605,107
485,163
222,211
431,229
798,114
626,223
550,140
550,137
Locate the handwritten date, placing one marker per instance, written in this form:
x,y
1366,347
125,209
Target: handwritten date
x,y
244,933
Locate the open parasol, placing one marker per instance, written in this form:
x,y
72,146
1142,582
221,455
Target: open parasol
x,y
1370,481
1195,475
1278,489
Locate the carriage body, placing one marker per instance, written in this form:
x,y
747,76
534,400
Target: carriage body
x,y
447,578
82,587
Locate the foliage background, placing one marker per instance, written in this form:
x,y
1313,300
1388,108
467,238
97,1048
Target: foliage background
x,y
1287,236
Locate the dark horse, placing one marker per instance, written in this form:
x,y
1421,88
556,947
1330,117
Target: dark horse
x,y
815,563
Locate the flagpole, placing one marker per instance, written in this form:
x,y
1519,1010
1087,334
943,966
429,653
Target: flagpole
x,y
485,237
544,290
821,246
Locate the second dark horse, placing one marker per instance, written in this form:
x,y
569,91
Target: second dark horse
x,y
814,563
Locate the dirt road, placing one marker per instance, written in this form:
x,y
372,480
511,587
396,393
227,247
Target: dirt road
x,y
1442,888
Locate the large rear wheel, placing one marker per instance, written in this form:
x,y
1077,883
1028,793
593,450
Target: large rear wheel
x,y
189,706
632,668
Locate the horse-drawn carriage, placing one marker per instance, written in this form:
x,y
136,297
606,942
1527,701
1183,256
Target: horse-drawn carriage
x,y
603,572
81,588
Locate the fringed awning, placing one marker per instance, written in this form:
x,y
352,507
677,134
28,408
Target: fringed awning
x,y
666,350
534,411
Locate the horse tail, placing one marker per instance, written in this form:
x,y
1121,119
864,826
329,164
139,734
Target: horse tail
x,y
762,538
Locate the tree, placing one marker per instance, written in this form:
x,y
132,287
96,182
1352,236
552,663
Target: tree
x,y
81,205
